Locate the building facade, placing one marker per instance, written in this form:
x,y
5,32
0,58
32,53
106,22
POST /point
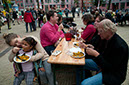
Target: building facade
x,y
45,4
116,4
1,5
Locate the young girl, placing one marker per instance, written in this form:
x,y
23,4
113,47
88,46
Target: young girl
x,y
27,72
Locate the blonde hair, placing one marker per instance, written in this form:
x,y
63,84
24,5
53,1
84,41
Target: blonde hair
x,y
108,25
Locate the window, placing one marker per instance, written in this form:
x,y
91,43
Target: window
x,y
18,4
127,3
26,1
31,1
21,4
103,5
48,1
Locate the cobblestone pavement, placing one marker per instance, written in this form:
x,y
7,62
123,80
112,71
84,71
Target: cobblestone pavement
x,y
6,68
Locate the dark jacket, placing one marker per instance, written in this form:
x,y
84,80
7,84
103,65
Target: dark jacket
x,y
112,60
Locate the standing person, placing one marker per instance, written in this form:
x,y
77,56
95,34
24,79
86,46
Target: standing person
x,y
0,21
15,16
8,17
39,12
34,14
16,41
73,11
28,18
111,62
66,12
20,16
50,33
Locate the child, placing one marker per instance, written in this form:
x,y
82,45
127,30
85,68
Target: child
x,y
26,72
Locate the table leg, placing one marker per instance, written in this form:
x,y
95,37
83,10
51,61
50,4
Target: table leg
x,y
54,74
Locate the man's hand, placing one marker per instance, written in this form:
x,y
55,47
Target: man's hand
x,y
92,52
60,27
15,50
57,43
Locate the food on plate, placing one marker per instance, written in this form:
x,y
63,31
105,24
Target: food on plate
x,y
18,60
24,57
78,54
76,44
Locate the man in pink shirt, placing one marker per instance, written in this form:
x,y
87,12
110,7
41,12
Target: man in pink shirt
x,y
50,33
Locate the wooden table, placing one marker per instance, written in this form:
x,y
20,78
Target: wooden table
x,y
63,57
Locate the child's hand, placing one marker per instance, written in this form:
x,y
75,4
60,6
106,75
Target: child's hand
x,y
42,69
16,74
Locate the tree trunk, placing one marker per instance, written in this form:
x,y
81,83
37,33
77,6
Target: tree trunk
x,y
109,4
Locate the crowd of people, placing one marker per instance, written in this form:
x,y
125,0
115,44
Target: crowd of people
x,y
106,52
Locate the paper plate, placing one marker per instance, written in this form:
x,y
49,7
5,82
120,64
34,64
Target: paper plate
x,y
78,56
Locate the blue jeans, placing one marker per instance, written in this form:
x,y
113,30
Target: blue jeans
x,y
94,80
27,27
28,76
47,76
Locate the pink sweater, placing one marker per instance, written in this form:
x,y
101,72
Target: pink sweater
x,y
49,34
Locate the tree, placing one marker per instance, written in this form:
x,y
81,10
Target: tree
x,y
109,4
76,2
6,4
95,2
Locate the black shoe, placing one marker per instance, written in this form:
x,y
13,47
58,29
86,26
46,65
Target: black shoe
x,y
13,24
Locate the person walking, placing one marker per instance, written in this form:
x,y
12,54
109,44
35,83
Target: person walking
x,y
28,18
15,16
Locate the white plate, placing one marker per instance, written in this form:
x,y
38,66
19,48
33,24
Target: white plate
x,y
56,53
21,60
78,56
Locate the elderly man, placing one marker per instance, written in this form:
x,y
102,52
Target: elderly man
x,y
50,33
109,59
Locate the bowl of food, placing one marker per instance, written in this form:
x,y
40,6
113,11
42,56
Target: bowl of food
x,y
78,54
22,58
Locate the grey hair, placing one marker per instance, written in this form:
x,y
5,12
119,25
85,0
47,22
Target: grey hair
x,y
109,25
